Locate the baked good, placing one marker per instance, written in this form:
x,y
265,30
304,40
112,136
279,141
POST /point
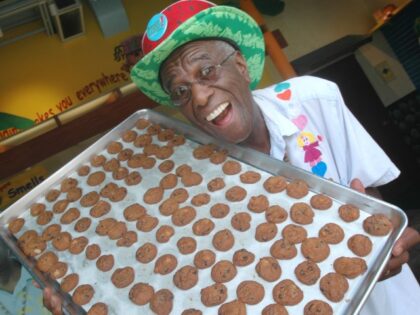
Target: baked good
x,y
78,245
223,271
186,277
223,240
98,309
250,292
125,155
218,157
350,267
235,193
186,245
60,206
46,261
349,212
53,194
214,294
275,184
297,189
162,302
269,269
183,216
203,151
294,233
241,221
242,258
250,177
317,307
16,225
51,232
165,264
180,195
360,245
168,181
146,253
105,263
129,135
146,223
164,233
200,199
182,170
234,307
321,202
142,123
307,272
315,249
134,212
62,241
117,230
301,213
74,194
97,160
44,217
276,214
83,294
286,292
168,206
70,216
231,167
275,309
166,166
58,270
37,209
96,178
68,183
123,277
93,251
69,282
258,203
89,199
191,179
141,293
203,227
265,232
377,225
101,208
204,259
153,195
219,210
331,233
333,286
127,239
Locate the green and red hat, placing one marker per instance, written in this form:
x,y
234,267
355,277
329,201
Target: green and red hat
x,y
189,20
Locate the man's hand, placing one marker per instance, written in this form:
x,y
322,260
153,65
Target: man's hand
x,y
400,255
51,301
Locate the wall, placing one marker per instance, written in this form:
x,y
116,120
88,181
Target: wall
x,y
308,25
41,76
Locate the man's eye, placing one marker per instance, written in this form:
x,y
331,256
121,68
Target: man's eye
x,y
180,91
207,72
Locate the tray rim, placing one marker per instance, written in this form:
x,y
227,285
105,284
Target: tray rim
x,y
241,153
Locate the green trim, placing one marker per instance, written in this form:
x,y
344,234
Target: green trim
x,y
216,22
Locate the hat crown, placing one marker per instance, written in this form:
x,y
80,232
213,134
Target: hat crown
x,y
163,24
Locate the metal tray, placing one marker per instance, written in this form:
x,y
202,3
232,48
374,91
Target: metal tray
x,y
248,156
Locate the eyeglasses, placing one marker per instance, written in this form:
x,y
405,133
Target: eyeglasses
x,y
208,75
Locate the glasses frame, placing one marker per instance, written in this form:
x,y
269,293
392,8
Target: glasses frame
x,y
201,81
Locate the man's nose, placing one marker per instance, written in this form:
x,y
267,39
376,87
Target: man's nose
x,y
200,94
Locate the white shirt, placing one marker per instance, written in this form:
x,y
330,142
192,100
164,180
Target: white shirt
x,y
311,127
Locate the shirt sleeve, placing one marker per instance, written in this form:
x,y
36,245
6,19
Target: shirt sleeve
x,y
356,153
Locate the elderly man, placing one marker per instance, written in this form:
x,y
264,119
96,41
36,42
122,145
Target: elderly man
x,y
206,59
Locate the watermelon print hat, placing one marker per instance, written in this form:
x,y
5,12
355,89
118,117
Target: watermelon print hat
x,y
189,20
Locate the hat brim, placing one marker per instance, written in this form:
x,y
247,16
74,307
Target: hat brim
x,y
216,22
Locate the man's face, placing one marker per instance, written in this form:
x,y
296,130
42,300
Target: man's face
x,y
222,107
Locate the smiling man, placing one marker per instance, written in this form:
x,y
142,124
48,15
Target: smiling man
x,y
206,60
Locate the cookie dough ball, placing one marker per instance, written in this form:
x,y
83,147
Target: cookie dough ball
x,y
186,277
349,212
250,292
377,225
223,271
269,269
331,233
105,263
276,214
316,307
146,223
360,245
334,286
274,309
183,216
241,221
203,151
200,199
204,259
350,267
218,157
123,277
250,177
146,253
286,292
83,294
180,195
219,210
315,249
166,166
165,264
223,240
134,212
37,209
301,213
283,249
141,293
98,309
235,194
293,233
258,203
93,251
162,302
214,294
153,195
216,184
69,282
321,202
265,232
275,184
297,189
16,225
231,168
307,272
186,245
232,308
164,233
242,258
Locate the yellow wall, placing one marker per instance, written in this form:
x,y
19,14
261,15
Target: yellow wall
x,y
38,72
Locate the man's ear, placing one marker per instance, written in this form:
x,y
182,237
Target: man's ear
x,y
242,66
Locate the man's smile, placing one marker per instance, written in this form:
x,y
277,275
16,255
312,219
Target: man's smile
x,y
220,115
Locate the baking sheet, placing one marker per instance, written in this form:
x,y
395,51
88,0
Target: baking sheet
x,y
118,300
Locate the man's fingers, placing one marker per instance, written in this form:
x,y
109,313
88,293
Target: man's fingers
x,y
397,262
408,239
46,298
356,184
388,273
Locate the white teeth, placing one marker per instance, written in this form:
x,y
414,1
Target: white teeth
x,y
217,111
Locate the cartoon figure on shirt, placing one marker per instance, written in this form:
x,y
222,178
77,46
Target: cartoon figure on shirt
x,y
309,143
